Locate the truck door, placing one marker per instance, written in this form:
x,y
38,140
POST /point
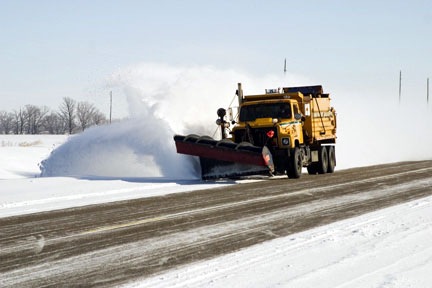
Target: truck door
x,y
298,125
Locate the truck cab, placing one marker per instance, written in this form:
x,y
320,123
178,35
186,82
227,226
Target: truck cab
x,y
296,124
276,123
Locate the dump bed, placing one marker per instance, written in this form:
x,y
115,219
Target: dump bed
x,y
320,117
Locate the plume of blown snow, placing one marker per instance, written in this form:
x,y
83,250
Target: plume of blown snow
x,y
133,148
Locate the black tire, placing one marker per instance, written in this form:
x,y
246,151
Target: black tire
x,y
312,169
295,164
322,160
331,159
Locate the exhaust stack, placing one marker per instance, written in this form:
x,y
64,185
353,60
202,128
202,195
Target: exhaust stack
x,y
240,93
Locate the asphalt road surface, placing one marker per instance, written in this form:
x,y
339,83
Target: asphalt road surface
x,y
110,244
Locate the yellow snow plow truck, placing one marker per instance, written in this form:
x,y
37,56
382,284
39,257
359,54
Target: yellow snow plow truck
x,y
278,132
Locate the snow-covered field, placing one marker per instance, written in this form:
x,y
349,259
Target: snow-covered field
x,y
20,155
387,248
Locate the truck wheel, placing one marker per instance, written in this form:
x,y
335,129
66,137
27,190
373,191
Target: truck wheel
x,y
312,169
331,159
322,160
296,164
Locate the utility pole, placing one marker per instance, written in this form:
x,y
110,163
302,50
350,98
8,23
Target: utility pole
x,y
285,67
110,106
427,90
400,85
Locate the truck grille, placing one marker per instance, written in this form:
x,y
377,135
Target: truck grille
x,y
259,136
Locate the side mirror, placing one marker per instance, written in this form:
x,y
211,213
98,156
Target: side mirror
x,y
303,118
297,116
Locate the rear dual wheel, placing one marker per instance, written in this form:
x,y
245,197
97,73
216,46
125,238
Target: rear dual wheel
x,y
326,161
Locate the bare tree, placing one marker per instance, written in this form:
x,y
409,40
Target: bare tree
x,y
32,119
98,118
85,113
68,113
6,122
2,117
21,122
29,113
18,122
38,117
53,124
33,116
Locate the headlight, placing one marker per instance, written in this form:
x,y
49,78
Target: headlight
x,y
285,141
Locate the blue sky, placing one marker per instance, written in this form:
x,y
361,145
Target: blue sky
x,y
55,49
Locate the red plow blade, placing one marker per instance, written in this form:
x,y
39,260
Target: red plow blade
x,y
217,157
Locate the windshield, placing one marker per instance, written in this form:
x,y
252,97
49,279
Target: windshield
x,y
273,110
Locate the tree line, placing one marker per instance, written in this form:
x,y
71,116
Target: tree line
x,y
71,117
